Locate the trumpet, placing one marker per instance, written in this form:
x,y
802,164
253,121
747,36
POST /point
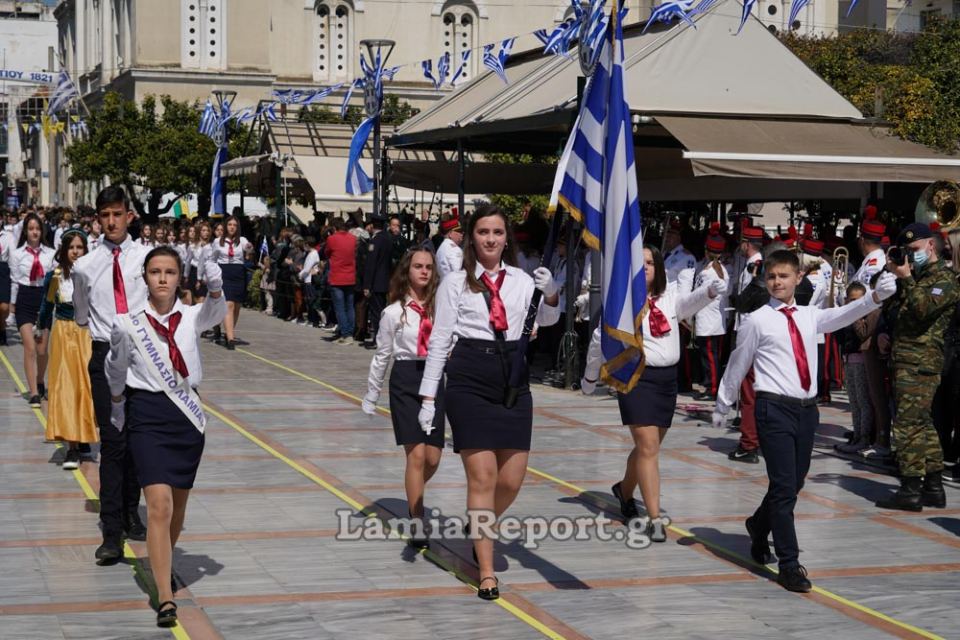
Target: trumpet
x,y
841,259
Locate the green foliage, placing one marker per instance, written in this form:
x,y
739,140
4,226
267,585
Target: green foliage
x,y
395,112
517,206
910,80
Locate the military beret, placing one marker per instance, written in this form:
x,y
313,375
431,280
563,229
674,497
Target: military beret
x,y
914,231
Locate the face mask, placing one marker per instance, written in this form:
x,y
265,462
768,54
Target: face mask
x,y
920,258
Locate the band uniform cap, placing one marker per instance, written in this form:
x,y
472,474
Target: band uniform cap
x,y
914,231
450,224
873,230
752,234
812,246
716,244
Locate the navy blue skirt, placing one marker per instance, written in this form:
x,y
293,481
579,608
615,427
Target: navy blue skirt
x,y
474,400
234,282
405,405
28,304
654,399
165,445
4,283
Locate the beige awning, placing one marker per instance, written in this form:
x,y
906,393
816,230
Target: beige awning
x,y
804,150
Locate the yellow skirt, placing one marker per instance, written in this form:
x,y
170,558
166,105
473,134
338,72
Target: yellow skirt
x,y
70,415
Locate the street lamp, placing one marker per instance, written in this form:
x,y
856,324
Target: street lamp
x,y
224,101
373,103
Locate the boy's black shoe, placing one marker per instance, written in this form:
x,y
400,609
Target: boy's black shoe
x,y
743,455
759,547
794,579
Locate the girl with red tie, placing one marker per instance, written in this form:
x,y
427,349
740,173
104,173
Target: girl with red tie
x,y
29,264
648,408
405,328
483,307
158,405
229,251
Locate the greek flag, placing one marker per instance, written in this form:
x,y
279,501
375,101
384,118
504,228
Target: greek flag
x,y
597,181
747,8
464,58
62,94
669,10
703,7
542,36
357,84
208,120
217,183
796,6
264,249
358,182
496,62
443,69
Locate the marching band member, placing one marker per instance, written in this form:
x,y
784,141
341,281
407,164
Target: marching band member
x,y
648,408
449,253
29,264
154,369
405,328
70,416
484,306
710,322
228,251
676,258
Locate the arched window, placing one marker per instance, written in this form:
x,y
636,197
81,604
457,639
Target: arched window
x,y
458,34
332,41
203,34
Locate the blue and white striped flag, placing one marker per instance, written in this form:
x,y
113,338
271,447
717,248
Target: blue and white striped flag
x,y
427,66
747,8
64,92
703,7
357,84
208,120
796,6
217,183
464,59
669,10
264,249
597,181
358,182
542,36
497,63
443,69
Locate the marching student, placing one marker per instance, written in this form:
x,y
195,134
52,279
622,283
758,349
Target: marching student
x,y
779,342
146,236
710,322
108,282
70,416
484,306
29,264
154,369
6,249
405,329
228,252
203,245
449,253
648,408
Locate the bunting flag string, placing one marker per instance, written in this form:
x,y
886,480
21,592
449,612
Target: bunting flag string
x,y
669,11
464,59
496,63
796,6
747,8
357,84
703,7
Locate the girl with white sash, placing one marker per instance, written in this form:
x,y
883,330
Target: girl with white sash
x,y
153,369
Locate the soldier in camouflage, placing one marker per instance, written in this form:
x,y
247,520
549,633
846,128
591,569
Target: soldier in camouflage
x,y
928,295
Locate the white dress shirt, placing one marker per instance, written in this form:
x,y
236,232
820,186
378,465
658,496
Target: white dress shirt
x,y
397,339
58,237
7,245
712,319
195,250
449,258
676,260
763,342
93,242
311,261
93,285
873,263
125,365
462,313
222,252
21,263
663,351
745,278
184,251
143,242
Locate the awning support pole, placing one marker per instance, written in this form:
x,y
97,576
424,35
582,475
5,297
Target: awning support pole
x,y
461,178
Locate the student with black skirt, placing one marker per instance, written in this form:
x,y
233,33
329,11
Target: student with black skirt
x,y
29,264
404,332
493,441
228,251
648,408
158,404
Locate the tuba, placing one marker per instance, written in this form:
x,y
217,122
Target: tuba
x,y
940,202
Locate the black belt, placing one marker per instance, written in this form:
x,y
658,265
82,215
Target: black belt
x,y
776,397
488,347
100,345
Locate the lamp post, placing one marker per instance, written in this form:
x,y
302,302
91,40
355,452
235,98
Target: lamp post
x,y
224,101
373,104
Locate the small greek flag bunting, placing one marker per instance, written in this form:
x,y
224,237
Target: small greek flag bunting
x,y
542,36
670,10
597,182
264,249
208,120
703,7
496,63
64,92
796,6
464,59
427,66
443,69
747,8
357,84
358,182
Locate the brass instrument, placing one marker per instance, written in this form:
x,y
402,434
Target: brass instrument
x,y
841,260
940,202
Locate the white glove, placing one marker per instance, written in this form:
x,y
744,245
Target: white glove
x,y
212,274
369,404
719,420
587,387
582,300
717,288
427,410
544,281
886,285
117,413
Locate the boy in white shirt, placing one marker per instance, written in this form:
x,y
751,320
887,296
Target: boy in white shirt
x,y
779,341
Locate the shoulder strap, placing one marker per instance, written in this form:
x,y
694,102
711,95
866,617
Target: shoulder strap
x,y
501,342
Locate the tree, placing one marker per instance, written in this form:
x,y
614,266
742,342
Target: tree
x,y
394,112
519,208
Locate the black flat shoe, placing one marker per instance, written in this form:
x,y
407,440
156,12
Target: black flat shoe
x,y
493,593
759,547
231,345
628,508
133,526
794,579
167,617
110,551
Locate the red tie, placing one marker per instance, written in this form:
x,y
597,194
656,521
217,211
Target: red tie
x,y
119,293
659,325
498,312
176,359
799,351
423,334
36,271
230,249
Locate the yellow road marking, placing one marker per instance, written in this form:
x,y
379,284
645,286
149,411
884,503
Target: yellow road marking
x,y
177,630
681,532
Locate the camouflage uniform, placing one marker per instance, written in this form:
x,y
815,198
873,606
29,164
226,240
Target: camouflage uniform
x,y
925,309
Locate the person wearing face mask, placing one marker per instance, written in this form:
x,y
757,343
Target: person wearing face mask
x,y
926,305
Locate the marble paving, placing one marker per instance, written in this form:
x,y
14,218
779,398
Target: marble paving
x,y
290,457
